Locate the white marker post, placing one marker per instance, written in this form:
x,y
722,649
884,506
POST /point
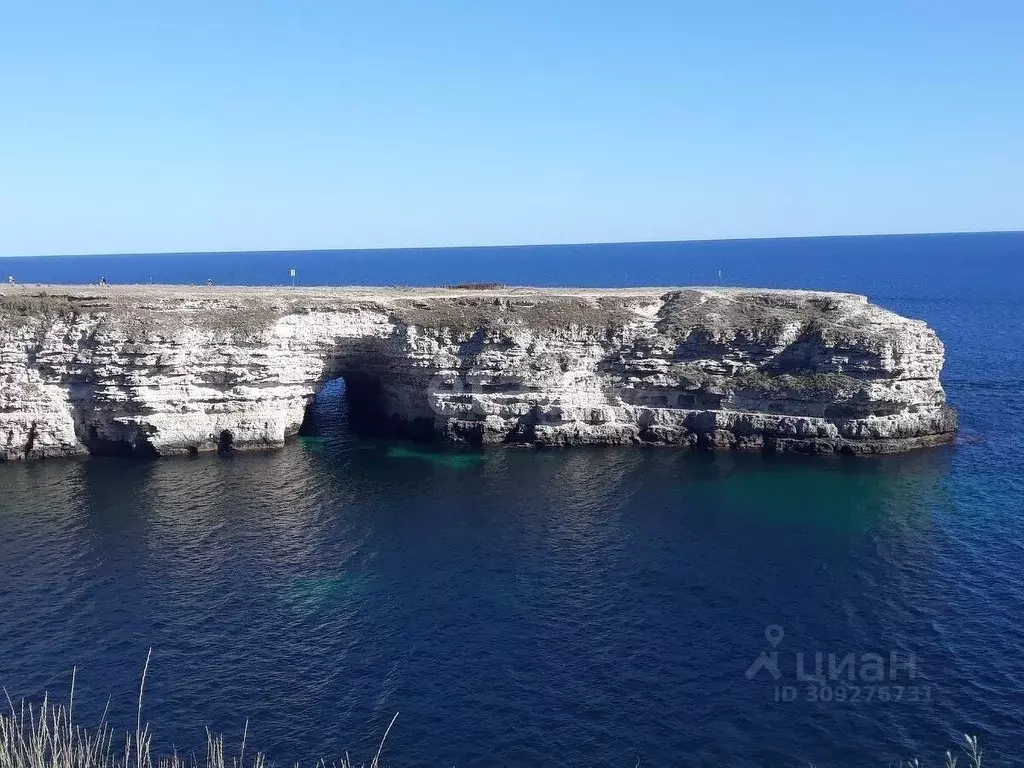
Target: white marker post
x,y
292,272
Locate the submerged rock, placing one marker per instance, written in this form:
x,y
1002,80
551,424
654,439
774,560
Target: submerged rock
x,y
158,370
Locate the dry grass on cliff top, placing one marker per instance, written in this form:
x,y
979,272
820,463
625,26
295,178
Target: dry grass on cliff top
x,y
36,304
250,311
245,316
540,312
45,736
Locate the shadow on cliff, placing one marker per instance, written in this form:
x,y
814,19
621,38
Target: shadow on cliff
x,y
369,409
126,434
383,396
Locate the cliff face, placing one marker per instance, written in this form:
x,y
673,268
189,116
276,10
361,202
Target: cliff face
x,y
164,370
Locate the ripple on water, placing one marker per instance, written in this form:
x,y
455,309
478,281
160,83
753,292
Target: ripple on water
x,y
595,606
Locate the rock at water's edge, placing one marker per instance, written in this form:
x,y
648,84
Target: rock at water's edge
x,y
160,370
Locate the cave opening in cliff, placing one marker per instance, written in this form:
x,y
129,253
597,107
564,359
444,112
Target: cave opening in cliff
x,y
118,439
226,442
357,404
328,411
350,403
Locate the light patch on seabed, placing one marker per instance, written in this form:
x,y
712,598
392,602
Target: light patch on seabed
x,y
824,495
314,443
454,460
319,592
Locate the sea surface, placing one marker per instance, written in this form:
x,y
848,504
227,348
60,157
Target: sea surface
x,y
592,607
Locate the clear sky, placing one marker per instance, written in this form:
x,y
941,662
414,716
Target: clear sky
x,y
166,126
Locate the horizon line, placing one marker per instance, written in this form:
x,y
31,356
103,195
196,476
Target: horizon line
x,y
513,245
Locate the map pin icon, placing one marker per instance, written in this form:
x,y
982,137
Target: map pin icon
x,y
773,633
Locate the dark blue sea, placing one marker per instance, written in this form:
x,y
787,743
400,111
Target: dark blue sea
x,y
598,607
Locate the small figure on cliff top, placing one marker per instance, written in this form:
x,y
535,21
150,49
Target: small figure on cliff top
x,y
103,281
209,282
10,279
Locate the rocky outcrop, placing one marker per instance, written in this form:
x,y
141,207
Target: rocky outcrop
x,y
166,370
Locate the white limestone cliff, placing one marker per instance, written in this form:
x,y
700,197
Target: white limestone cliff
x,y
158,370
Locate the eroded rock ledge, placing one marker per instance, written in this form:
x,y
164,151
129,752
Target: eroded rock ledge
x,y
158,370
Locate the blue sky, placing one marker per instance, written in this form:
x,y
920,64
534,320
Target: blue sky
x,y
137,126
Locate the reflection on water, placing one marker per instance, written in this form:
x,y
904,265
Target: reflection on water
x,y
602,604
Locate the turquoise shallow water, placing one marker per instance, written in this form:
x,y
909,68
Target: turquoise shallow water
x,y
591,606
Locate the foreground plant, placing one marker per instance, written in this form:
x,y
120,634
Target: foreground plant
x,y
46,737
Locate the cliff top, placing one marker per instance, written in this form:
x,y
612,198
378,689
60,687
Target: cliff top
x,y
364,292
251,309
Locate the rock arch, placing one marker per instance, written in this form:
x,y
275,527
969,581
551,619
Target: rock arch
x,y
161,371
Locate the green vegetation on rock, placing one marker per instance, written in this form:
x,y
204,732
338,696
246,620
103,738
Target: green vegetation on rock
x,y
797,383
